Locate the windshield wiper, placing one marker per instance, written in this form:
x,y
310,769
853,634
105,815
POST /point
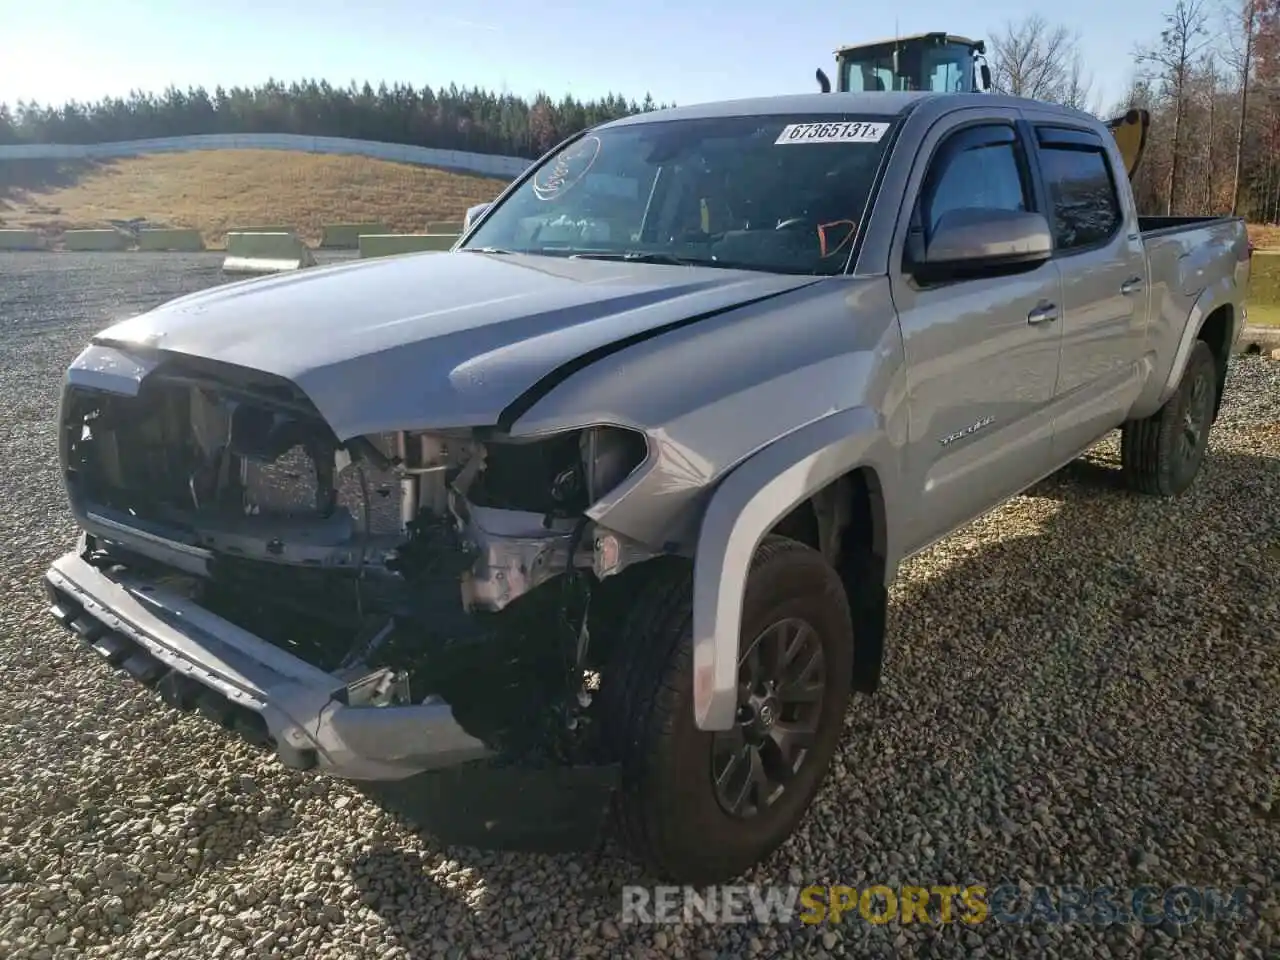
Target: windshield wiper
x,y
640,256
486,250
670,259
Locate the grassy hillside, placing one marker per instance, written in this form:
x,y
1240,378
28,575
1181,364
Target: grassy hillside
x,y
217,189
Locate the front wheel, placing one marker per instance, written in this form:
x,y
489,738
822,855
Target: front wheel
x,y
1162,454
702,807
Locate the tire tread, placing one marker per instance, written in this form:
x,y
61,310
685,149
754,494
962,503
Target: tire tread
x,y
649,667
1146,445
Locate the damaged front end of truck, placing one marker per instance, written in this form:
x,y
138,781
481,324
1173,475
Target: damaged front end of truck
x,y
378,607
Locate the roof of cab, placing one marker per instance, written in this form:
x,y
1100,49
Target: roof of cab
x,y
885,104
797,105
950,38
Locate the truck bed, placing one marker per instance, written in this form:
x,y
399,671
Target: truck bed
x,y
1157,225
1185,257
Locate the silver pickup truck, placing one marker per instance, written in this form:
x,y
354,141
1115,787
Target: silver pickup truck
x,y
617,486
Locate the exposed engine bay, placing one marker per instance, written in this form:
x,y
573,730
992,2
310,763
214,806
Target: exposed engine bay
x,y
457,565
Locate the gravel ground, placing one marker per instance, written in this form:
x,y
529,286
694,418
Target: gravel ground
x,y
1082,688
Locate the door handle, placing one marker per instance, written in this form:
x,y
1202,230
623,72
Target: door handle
x,y
1043,313
1130,286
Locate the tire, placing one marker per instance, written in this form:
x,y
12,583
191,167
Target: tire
x,y
1162,454
667,811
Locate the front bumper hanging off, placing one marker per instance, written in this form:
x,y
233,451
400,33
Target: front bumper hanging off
x,y
198,659
417,760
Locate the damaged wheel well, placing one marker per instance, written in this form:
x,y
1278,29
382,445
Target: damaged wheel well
x,y
844,517
845,521
1216,332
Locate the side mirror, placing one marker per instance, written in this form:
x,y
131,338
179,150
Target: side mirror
x,y
474,214
976,240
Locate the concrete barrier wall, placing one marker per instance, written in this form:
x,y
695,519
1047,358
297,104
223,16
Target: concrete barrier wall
x,y
95,240
444,226
1258,339
177,240
346,236
487,164
391,244
266,253
20,240
263,228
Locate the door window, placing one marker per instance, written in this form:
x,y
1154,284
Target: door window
x,y
1086,207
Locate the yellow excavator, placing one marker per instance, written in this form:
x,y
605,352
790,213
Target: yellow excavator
x,y
946,63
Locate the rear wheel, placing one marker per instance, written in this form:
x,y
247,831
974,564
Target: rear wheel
x,y
1162,454
702,807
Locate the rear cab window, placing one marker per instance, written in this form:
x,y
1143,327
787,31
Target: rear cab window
x,y
1085,209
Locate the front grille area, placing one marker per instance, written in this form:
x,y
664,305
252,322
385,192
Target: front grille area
x,y
290,486
187,454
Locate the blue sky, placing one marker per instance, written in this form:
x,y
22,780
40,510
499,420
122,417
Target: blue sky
x,y
689,52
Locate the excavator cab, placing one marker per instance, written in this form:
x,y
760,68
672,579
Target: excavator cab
x,y
938,62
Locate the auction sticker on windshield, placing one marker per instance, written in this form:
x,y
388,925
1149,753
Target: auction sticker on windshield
x,y
841,132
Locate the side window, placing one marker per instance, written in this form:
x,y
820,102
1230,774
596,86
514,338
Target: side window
x,y
1077,173
978,167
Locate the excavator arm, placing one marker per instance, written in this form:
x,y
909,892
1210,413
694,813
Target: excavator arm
x,y
1130,131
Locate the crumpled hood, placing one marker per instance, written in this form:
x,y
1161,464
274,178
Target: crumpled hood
x,y
435,340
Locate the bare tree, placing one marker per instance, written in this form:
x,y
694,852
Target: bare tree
x,y
1242,34
1210,82
1033,58
1078,90
1171,59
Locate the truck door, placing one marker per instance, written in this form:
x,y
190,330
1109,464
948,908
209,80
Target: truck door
x,y
981,352
1099,250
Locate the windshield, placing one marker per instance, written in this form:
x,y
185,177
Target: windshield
x,y
777,193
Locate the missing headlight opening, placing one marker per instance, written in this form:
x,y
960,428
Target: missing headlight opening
x,y
413,565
